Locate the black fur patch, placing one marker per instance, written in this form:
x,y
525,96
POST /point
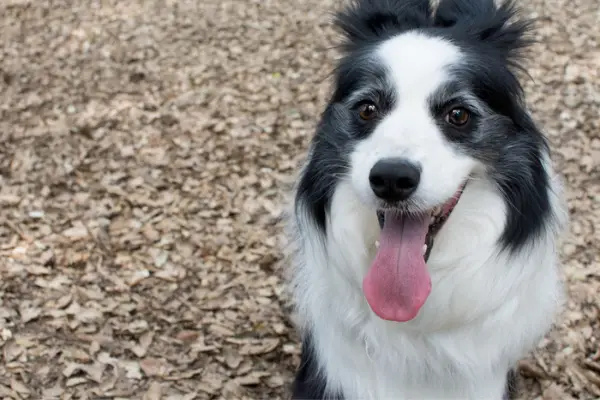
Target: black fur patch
x,y
338,131
510,392
309,384
368,22
509,142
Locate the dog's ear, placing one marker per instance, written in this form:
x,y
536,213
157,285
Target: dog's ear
x,y
451,12
367,21
499,26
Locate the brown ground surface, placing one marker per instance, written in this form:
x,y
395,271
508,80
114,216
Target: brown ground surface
x,y
143,150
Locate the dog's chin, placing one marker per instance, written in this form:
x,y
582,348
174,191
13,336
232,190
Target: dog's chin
x,y
438,215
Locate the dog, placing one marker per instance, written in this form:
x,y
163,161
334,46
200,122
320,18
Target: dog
x,y
426,220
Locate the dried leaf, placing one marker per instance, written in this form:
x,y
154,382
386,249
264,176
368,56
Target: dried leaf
x,y
12,351
592,365
94,371
187,336
75,382
253,378
154,392
29,314
185,375
233,360
145,342
531,370
19,386
154,367
138,276
55,391
266,346
47,258
132,369
275,381
555,392
9,199
77,232
71,369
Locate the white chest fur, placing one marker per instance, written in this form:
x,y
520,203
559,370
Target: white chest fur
x,y
486,310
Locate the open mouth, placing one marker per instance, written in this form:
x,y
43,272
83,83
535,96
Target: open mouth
x,y
438,217
398,282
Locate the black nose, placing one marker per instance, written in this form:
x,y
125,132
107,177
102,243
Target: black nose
x,y
394,179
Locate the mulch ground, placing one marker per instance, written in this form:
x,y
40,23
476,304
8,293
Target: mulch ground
x,y
144,150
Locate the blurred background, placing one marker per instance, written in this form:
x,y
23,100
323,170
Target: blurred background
x,y
145,147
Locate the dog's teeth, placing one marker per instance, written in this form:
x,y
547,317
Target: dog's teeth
x,y
377,244
424,249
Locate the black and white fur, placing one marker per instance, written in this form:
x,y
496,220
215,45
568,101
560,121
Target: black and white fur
x,y
494,266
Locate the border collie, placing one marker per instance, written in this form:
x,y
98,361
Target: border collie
x,y
426,220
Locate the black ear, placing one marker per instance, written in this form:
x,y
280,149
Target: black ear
x,y
327,162
499,26
367,21
451,12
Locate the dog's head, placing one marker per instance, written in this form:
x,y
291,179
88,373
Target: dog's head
x,y
423,101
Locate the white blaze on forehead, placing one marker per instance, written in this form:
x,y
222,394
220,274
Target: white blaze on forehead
x,y
417,66
417,63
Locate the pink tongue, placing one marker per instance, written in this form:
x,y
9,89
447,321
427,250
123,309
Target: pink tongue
x,y
398,283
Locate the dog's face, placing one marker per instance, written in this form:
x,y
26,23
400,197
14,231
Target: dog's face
x,y
423,101
416,115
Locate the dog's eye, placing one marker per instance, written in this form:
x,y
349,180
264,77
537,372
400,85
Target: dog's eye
x,y
458,116
367,111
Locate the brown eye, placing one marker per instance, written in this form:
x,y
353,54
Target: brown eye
x,y
367,111
458,116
